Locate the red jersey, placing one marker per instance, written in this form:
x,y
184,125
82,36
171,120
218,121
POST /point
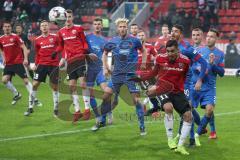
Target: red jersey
x,y
45,46
160,44
173,74
73,42
151,54
11,47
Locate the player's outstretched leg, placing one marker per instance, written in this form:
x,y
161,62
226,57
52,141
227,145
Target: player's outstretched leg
x,y
187,123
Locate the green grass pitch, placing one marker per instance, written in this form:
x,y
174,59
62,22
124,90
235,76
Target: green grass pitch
x,y
43,137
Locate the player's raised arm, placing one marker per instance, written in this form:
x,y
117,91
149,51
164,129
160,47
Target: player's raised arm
x,y
217,68
145,75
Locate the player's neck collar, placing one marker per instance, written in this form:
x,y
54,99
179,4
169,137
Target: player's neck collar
x,y
8,34
68,27
212,48
125,37
45,35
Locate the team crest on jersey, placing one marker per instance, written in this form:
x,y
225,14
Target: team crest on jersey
x,y
51,40
125,45
11,39
180,65
74,31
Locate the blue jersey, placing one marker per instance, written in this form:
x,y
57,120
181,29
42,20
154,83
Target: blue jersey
x,y
96,45
125,55
187,50
209,80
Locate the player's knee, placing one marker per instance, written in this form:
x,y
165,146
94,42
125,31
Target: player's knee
x,y
5,80
187,116
35,85
168,108
25,81
209,110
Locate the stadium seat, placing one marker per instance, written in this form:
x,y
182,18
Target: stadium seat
x,y
235,5
237,12
187,5
179,4
84,19
230,12
104,4
223,20
194,5
238,35
235,28
99,11
226,28
221,12
232,20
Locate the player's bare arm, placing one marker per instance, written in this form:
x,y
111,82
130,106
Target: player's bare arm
x,y
25,53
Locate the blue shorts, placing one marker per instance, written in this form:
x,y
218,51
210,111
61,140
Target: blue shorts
x,y
116,85
95,76
187,90
203,98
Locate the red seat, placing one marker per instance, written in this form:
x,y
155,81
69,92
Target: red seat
x,y
187,5
226,28
104,3
235,28
194,4
238,35
237,12
235,5
84,19
232,20
221,12
223,20
179,4
99,11
230,12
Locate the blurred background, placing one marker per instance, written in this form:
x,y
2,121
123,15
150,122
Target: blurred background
x,y
149,15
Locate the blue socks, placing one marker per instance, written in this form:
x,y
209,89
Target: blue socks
x,y
196,117
205,120
212,123
140,114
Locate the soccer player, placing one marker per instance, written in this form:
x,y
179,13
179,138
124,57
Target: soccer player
x,y
46,63
162,40
187,50
134,29
171,70
73,43
96,44
207,95
125,54
27,42
151,54
197,37
15,58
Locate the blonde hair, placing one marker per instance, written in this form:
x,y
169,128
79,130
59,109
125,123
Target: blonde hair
x,y
121,20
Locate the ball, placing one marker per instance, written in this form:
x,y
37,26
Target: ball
x,y
57,14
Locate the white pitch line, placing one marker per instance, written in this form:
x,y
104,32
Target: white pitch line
x,y
86,129
227,113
